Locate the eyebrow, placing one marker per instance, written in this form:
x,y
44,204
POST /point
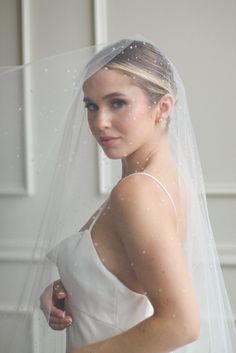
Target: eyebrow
x,y
110,95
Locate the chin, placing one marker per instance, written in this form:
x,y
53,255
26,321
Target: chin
x,y
113,154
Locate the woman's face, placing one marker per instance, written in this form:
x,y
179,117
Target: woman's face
x,y
119,114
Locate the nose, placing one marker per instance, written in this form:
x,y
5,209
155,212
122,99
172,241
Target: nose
x,y
102,120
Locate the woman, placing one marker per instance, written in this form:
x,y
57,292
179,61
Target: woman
x,y
130,283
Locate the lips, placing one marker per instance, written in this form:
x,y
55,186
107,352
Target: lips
x,y
108,141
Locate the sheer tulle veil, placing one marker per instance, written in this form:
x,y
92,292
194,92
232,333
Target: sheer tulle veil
x,y
48,95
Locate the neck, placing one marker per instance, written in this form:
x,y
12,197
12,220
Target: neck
x,y
150,156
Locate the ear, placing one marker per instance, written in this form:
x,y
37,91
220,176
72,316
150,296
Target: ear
x,y
164,107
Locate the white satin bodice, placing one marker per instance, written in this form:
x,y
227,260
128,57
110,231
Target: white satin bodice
x,y
100,304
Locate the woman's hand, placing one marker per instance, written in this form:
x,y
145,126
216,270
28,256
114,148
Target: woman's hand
x,y
53,306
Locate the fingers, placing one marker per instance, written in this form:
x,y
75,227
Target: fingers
x,y
57,311
57,323
59,290
57,319
53,306
57,327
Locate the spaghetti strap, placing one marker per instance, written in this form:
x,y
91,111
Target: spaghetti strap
x,y
97,215
162,186
101,208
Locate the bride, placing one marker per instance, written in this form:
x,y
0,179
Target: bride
x,y
128,278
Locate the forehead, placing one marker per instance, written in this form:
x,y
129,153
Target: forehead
x,y
105,80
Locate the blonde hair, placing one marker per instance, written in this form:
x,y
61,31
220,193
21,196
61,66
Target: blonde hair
x,y
144,63
148,67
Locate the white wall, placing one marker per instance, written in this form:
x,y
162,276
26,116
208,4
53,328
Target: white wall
x,y
10,36
199,37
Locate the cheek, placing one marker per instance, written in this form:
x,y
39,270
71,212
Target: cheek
x,y
136,116
131,114
125,121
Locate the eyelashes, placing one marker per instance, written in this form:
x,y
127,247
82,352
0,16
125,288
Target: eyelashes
x,y
118,103
114,104
91,107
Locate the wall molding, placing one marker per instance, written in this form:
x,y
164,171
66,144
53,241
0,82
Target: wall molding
x,y
13,310
101,36
105,172
19,253
26,189
26,58
227,254
25,31
22,253
100,21
221,189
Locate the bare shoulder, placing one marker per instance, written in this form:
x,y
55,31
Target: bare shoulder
x,y
138,197
138,203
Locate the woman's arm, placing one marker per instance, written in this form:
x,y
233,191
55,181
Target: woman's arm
x,y
146,224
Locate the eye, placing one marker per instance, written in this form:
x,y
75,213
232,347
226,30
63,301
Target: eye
x,y
91,107
118,103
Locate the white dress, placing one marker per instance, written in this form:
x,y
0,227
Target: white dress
x,y
100,304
